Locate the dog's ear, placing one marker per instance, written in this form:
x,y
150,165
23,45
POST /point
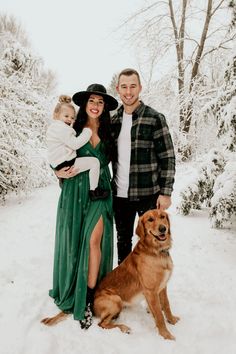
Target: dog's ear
x,y
140,228
168,219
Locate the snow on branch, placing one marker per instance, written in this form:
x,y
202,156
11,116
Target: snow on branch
x,y
25,106
213,187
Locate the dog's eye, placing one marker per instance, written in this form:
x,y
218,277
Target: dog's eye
x,y
150,219
162,216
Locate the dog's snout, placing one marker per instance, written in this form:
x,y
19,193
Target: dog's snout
x,y
162,228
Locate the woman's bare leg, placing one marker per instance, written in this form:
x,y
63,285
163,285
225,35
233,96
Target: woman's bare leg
x,y
95,253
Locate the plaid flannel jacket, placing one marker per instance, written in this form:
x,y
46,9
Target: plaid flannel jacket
x,y
152,164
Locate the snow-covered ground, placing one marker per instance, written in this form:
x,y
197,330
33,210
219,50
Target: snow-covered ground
x,y
202,290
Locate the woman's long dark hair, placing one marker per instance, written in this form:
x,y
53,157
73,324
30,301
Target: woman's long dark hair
x,y
104,130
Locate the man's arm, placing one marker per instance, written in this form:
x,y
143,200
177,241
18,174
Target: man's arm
x,y
166,159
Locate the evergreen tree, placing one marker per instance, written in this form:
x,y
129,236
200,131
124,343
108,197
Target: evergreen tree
x,y
215,184
26,91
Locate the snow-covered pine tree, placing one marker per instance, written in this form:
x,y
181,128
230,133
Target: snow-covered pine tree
x,y
224,108
217,188
199,192
26,92
223,203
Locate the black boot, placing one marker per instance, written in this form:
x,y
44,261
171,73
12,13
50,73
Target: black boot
x,y
98,193
88,312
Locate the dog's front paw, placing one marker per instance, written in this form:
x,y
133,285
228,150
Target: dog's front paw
x,y
48,321
166,334
125,329
173,319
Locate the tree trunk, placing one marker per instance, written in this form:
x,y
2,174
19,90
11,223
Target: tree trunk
x,y
195,69
179,46
186,108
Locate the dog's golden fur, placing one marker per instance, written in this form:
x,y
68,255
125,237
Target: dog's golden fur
x,y
146,271
51,321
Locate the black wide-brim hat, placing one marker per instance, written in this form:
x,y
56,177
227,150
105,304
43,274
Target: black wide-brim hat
x,y
80,97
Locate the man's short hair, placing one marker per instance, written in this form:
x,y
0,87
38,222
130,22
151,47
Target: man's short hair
x,y
129,72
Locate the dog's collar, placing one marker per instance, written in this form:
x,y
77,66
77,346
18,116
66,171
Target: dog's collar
x,y
165,252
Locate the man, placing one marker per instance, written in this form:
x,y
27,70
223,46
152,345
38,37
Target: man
x,y
143,162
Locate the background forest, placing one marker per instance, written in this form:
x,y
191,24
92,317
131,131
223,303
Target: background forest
x,y
185,52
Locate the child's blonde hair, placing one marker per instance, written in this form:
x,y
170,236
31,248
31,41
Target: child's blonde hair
x,y
63,100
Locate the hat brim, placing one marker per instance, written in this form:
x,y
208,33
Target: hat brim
x,y
80,97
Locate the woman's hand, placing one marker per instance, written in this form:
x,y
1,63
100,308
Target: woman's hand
x,y
67,172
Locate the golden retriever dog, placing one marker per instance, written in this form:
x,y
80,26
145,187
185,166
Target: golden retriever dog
x,y
145,271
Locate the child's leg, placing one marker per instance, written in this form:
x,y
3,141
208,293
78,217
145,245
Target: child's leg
x,y
93,165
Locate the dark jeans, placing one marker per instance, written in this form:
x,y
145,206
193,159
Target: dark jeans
x,y
125,213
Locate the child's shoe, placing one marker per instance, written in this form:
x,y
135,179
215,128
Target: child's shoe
x,y
98,193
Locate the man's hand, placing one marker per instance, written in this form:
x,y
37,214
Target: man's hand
x,y
67,172
163,202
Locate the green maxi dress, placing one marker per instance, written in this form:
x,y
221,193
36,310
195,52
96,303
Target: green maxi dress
x,y
76,219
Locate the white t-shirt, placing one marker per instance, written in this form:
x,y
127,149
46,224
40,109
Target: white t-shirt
x,y
124,153
62,142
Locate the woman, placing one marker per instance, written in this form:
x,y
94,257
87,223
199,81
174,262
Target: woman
x,y
84,228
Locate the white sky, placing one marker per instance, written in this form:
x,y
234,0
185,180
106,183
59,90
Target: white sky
x,y
76,38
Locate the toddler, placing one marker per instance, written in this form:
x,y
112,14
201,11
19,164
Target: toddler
x,y
62,145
